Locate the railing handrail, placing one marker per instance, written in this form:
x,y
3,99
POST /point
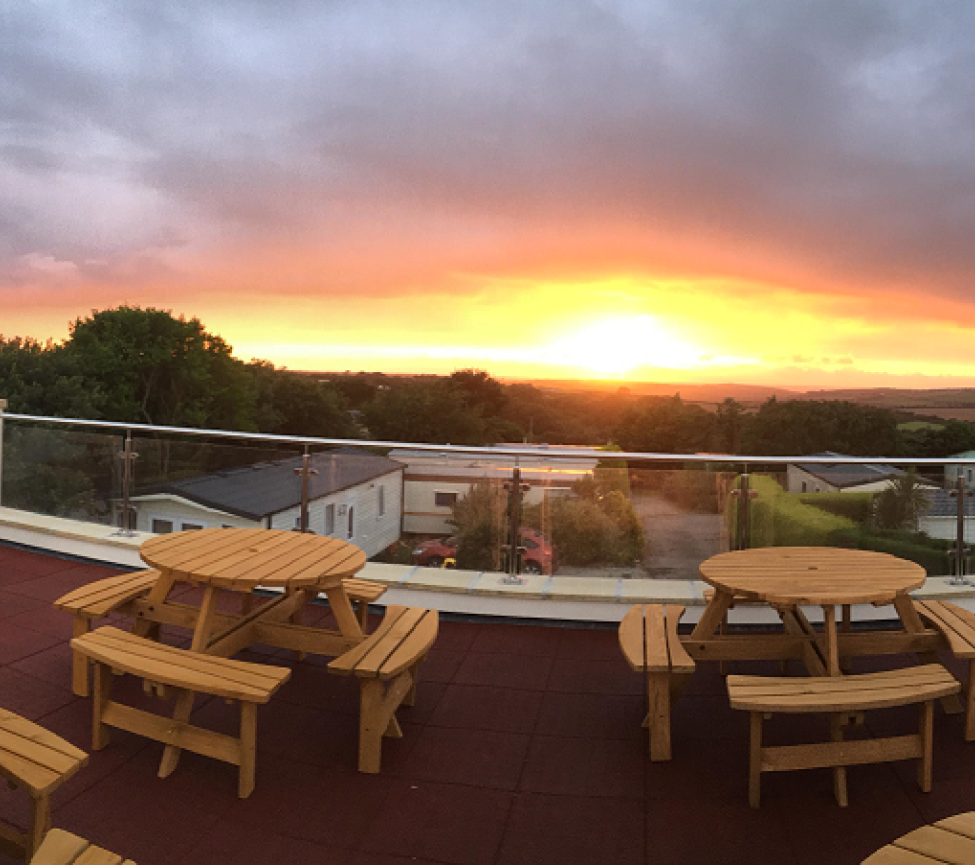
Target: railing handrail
x,y
535,451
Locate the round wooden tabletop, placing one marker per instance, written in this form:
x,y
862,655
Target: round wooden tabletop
x,y
248,559
813,575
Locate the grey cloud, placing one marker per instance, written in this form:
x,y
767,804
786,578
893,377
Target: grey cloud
x,y
795,142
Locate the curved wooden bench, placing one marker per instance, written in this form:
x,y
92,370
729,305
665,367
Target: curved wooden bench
x,y
98,599
650,644
957,626
63,848
840,695
38,761
948,840
190,673
386,664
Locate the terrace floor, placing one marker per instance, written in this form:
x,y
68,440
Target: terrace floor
x,y
525,746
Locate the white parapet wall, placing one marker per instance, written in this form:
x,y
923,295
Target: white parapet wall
x,y
579,599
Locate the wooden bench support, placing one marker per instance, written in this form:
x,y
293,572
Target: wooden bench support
x,y
387,665
840,696
38,762
188,673
649,640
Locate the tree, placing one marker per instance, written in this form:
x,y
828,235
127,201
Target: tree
x,y
41,379
665,425
899,505
290,403
728,427
812,426
151,367
424,411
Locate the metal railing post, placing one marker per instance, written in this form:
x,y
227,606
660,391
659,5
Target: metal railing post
x,y
514,549
127,456
960,552
3,408
305,471
744,496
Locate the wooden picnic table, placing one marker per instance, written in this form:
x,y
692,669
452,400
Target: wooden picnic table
x,y
245,561
789,578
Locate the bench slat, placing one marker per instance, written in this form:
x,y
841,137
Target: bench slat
x,y
939,844
631,638
680,661
658,661
414,646
363,590
963,824
34,757
63,848
99,598
371,663
841,693
181,668
345,664
955,623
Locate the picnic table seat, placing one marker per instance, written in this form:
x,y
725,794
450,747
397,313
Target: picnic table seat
x,y
650,644
37,761
63,848
957,626
97,599
840,696
113,594
387,665
190,673
951,840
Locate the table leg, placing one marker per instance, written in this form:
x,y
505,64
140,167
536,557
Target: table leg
x,y
204,624
832,642
713,615
846,664
795,623
341,606
157,595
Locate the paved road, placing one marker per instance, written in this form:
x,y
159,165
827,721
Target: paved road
x,y
679,541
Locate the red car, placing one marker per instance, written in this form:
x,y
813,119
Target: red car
x,y
539,556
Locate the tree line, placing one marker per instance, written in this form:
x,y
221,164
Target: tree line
x,y
148,366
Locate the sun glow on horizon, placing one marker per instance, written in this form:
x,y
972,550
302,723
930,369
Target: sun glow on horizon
x,y
622,344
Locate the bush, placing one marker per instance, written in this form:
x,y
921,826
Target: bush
x,y
591,529
854,506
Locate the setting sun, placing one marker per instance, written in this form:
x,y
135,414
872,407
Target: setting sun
x,y
618,345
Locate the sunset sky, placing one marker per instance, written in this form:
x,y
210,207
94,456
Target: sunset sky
x,y
696,190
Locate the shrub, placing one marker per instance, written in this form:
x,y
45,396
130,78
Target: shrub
x,y
854,506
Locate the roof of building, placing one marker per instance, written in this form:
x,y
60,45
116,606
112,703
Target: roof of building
x,y
848,475
964,455
941,503
266,488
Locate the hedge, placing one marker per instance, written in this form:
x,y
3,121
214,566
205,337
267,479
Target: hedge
x,y
779,519
855,506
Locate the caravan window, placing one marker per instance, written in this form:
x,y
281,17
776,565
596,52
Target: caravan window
x,y
329,519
